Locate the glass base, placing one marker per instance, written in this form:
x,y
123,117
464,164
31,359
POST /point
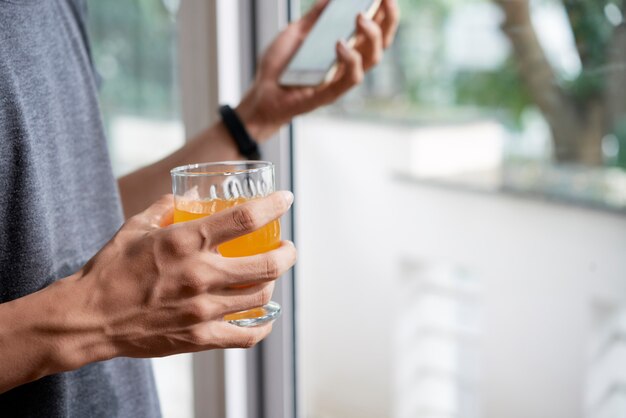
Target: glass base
x,y
255,317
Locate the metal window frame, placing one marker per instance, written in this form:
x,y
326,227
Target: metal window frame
x,y
272,365
215,36
199,81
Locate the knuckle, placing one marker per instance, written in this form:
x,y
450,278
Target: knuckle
x,y
353,60
249,340
262,296
192,281
198,311
173,242
206,231
266,295
197,337
134,221
271,268
374,33
243,219
378,32
356,77
223,272
255,300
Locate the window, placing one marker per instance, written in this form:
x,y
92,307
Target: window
x,y
449,262
522,96
135,52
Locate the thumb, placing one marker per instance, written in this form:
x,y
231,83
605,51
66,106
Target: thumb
x,y
160,213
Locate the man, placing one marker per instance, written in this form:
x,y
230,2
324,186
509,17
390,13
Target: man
x,y
74,327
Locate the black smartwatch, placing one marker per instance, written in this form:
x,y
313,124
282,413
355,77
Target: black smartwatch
x,y
247,146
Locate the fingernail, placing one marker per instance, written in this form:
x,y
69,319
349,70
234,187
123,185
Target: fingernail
x,y
288,196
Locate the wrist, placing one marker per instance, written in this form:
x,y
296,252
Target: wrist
x,y
259,126
45,333
68,327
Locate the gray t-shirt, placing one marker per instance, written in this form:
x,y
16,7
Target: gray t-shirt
x,y
58,198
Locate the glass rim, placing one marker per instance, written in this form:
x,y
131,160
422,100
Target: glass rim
x,y
185,170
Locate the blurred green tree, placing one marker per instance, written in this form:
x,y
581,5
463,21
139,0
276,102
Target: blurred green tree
x,y
134,46
582,112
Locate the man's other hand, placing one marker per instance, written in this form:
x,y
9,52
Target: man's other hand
x,y
268,105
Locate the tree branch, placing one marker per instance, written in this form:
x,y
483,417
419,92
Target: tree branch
x,y
536,71
616,78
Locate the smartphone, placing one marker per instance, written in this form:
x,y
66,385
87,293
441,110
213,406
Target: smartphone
x,y
315,61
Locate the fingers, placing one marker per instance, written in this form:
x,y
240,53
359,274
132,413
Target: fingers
x,y
351,73
248,298
372,37
241,337
244,271
239,220
225,335
210,307
388,17
370,41
308,20
159,214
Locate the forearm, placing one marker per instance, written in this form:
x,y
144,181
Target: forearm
x,y
144,186
141,188
47,332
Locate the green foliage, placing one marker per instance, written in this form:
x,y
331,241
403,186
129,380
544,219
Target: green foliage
x,y
592,32
427,76
498,89
133,45
591,29
437,9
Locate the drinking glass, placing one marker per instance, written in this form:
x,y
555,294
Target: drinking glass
x,y
204,189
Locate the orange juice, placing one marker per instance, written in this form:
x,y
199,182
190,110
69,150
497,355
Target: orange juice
x,y
262,240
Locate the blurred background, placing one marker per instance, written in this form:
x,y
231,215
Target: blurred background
x,y
460,217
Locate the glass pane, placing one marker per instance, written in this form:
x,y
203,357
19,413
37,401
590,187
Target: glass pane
x,y
461,220
134,49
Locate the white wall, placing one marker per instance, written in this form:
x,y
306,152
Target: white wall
x,y
548,274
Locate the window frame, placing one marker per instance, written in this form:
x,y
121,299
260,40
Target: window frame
x,y
199,89
261,379
272,365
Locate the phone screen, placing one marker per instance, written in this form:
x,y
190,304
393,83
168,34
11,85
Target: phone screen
x,y
337,22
